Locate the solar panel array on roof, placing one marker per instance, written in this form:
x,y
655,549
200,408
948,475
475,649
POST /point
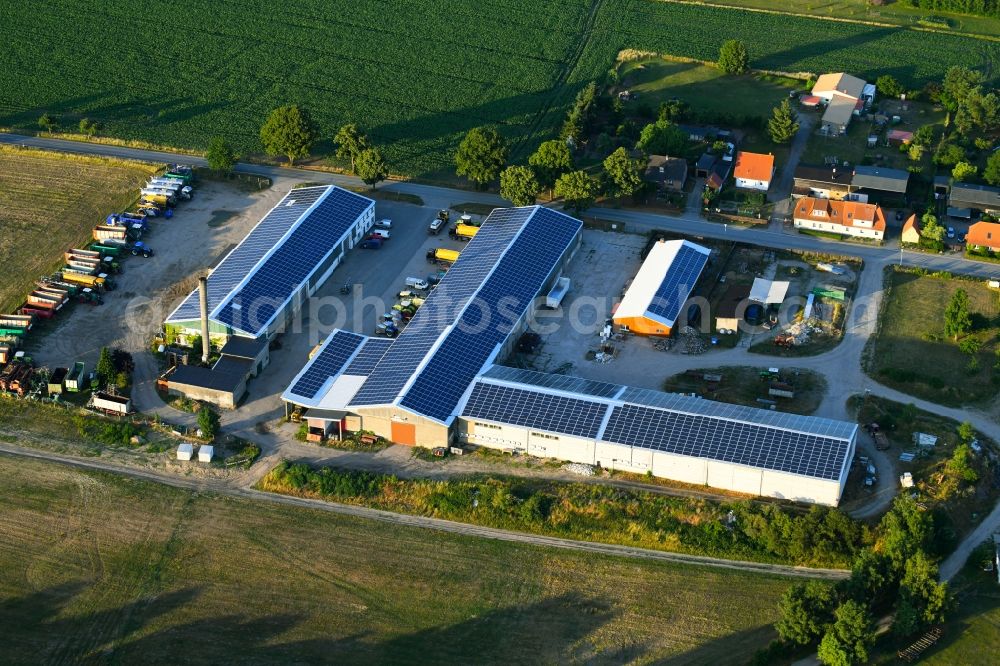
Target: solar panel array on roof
x,y
553,381
678,283
517,279
369,356
330,360
729,441
273,283
439,311
813,425
535,409
245,256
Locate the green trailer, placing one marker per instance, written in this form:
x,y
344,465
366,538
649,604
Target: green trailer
x,y
107,250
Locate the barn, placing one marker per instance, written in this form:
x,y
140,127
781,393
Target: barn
x,y
260,285
652,304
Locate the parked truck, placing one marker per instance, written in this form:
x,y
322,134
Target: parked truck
x,y
117,233
76,380
181,171
158,198
97,282
111,404
442,256
463,232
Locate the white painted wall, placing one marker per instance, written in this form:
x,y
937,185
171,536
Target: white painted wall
x,y
832,227
748,184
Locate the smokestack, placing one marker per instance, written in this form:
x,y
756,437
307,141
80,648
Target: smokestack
x,y
203,298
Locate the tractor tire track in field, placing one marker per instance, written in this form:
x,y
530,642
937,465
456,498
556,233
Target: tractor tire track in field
x,y
221,487
557,86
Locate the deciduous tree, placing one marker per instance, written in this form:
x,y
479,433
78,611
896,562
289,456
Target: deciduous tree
x,y
519,184
220,155
288,131
662,138
371,166
577,190
733,57
624,173
806,609
481,155
992,171
551,160
922,599
350,141
957,318
849,638
963,171
888,86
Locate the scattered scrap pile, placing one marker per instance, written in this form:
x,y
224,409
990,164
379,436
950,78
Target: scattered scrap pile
x,y
691,341
579,468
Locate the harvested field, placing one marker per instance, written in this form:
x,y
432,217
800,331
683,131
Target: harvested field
x,y
48,203
97,567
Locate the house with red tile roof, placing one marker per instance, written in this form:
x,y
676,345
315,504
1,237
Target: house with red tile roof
x,y
753,171
847,218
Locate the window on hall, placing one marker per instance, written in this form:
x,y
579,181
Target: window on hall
x,y
543,435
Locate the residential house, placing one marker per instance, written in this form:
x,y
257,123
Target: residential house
x,y
845,95
880,182
911,231
668,173
847,218
839,84
983,198
822,182
718,175
753,171
984,235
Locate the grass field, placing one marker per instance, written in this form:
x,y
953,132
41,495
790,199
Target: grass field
x,y
893,12
98,568
49,203
911,352
417,75
704,88
742,386
972,633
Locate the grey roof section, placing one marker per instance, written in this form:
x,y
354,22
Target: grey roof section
x,y
233,365
971,195
192,375
243,347
880,178
554,381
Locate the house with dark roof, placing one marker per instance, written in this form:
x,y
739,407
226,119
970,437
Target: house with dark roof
x,y
983,198
880,182
668,173
822,182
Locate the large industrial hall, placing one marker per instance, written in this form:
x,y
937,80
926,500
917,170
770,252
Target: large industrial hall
x,y
440,383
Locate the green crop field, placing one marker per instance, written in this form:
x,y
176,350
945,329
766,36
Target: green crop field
x,y
98,568
49,203
415,74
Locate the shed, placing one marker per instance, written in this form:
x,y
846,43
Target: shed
x,y
731,307
205,453
703,168
897,137
217,387
185,451
977,197
925,440
254,350
768,291
881,179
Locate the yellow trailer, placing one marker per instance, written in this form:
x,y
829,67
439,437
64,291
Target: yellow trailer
x,y
442,256
464,232
94,281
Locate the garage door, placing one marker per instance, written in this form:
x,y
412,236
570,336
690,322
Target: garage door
x,y
404,433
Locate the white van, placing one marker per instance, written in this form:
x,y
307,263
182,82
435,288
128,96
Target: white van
x,y
416,283
384,224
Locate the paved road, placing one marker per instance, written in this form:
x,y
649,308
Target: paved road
x,y
841,365
225,488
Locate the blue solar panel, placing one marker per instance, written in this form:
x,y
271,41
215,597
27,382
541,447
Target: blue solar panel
x,y
369,356
267,290
736,442
238,263
440,309
678,283
534,409
330,360
516,280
